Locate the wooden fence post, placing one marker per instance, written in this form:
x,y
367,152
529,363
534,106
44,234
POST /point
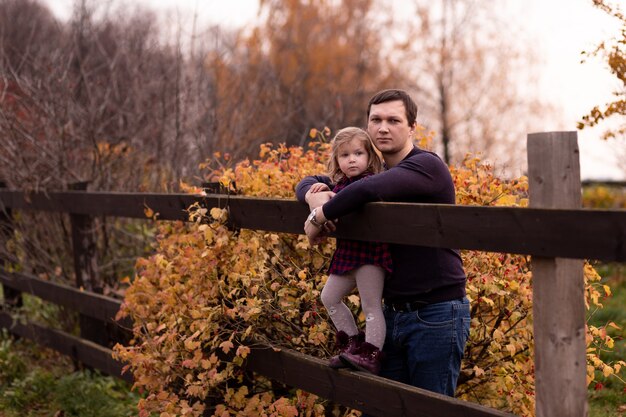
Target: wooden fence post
x,y
86,269
558,285
12,298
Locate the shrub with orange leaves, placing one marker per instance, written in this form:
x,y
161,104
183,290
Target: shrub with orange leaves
x,y
209,294
498,369
604,197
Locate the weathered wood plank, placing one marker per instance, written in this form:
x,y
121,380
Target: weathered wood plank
x,y
84,248
371,394
582,234
11,297
84,351
169,206
90,304
86,269
558,284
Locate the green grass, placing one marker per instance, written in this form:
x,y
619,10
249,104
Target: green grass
x,y
38,382
609,398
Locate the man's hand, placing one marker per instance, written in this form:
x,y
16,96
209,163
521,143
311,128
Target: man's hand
x,y
316,199
313,233
318,229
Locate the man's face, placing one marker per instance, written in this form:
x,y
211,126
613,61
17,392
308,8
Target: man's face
x,y
388,127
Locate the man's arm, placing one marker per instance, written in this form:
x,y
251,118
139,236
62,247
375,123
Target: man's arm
x,y
422,177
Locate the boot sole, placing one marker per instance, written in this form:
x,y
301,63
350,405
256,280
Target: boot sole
x,y
355,366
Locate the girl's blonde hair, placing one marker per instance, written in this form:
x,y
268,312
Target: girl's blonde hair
x,y
345,135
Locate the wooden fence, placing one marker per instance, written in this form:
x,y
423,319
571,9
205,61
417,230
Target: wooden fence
x,y
554,230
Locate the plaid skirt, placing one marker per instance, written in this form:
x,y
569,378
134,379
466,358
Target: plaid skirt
x,y
351,254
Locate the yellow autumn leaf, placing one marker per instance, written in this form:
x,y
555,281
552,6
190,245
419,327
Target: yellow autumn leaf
x,y
506,200
226,346
191,344
354,299
217,213
208,235
488,300
498,335
511,348
243,351
478,371
318,261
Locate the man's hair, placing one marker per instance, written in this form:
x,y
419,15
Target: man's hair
x,y
393,95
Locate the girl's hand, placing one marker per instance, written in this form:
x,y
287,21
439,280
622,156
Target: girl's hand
x,y
318,187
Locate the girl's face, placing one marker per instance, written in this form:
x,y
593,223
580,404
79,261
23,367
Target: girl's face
x,y
352,158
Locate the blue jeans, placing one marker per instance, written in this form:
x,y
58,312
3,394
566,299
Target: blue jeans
x,y
424,348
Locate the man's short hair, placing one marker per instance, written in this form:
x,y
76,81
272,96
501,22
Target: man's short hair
x,y
392,95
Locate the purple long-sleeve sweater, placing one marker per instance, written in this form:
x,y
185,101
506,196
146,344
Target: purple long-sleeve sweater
x,y
419,272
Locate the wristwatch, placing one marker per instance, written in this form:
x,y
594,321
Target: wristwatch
x,y
312,219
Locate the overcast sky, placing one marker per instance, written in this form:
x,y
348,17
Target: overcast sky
x,y
561,29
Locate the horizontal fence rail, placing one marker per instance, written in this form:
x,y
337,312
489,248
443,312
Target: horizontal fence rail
x,y
581,234
90,304
362,391
605,183
84,351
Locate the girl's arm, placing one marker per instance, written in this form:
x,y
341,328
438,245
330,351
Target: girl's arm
x,y
312,197
318,187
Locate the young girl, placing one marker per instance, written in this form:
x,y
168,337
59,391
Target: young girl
x,y
355,263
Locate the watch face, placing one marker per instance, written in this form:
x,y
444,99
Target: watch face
x,y
311,217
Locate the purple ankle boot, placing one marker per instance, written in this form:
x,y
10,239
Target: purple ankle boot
x,y
345,344
366,358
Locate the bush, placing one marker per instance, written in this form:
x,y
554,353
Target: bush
x,y
84,394
29,394
604,197
209,294
40,382
12,366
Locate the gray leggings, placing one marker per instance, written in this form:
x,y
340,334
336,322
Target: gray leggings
x,y
369,279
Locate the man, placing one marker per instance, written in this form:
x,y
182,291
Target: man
x,y
425,305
